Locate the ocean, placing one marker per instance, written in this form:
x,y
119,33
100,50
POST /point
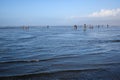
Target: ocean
x,y
60,53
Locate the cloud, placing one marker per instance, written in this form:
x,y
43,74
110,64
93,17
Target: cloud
x,y
103,16
106,13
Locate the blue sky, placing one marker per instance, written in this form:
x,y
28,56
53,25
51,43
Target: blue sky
x,y
59,12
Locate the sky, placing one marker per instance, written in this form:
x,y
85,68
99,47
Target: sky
x,y
59,12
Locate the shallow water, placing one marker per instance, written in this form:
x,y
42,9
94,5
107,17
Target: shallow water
x,y
60,53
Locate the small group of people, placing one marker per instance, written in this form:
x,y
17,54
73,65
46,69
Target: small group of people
x,y
85,26
25,27
90,26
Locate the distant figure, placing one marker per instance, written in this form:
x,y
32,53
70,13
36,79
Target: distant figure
x,y
47,26
85,26
98,26
91,26
75,26
107,25
25,27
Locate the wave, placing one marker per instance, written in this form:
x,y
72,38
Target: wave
x,y
19,61
115,40
2,39
100,41
27,37
97,53
63,71
36,60
9,27
46,73
107,64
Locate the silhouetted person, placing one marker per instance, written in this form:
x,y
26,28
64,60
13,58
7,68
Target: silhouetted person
x,y
25,27
91,26
98,26
75,26
85,26
107,25
47,26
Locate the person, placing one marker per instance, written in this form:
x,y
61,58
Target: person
x,y
47,26
91,26
107,25
25,27
85,26
98,26
75,26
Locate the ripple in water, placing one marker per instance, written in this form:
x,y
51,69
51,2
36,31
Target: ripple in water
x,y
59,54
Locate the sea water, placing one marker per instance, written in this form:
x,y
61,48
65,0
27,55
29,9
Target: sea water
x,y
60,53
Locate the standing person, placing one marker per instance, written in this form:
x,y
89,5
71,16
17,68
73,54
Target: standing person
x,y
107,25
47,26
85,26
75,26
